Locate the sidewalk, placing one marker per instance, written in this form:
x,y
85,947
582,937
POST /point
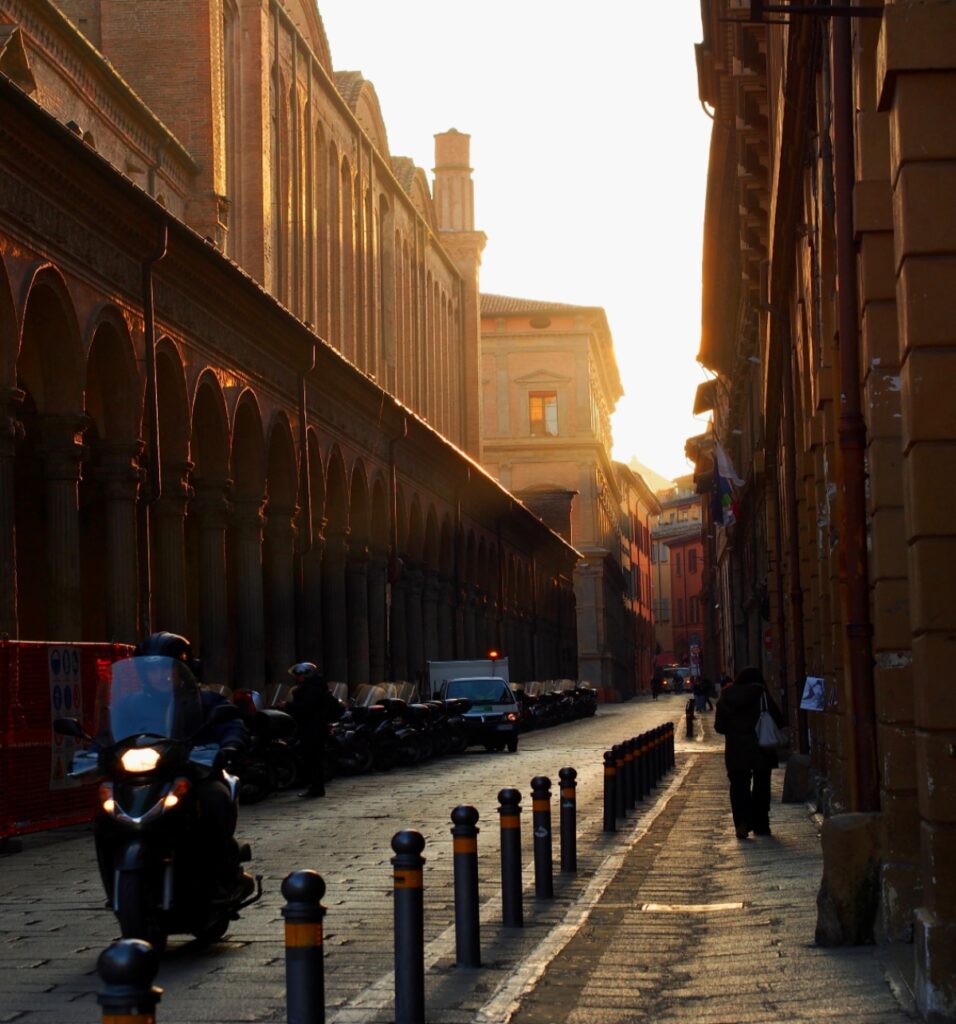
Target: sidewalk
x,y
699,927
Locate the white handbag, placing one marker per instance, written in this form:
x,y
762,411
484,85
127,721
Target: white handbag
x,y
769,736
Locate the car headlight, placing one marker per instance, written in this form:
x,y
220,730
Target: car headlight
x,y
140,759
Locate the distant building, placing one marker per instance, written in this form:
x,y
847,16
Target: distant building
x,y
677,554
550,383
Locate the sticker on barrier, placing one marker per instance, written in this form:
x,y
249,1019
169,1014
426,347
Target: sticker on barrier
x,y
66,701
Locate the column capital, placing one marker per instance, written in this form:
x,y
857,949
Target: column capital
x,y
247,513
11,429
210,503
61,444
115,465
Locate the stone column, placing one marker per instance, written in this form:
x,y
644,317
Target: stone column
x,y
280,589
334,614
430,597
446,621
62,452
398,634
916,65
312,597
247,523
169,550
356,582
468,605
116,467
377,631
413,615
10,431
211,508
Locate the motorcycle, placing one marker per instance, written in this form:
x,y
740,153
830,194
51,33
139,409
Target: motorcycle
x,y
149,753
270,762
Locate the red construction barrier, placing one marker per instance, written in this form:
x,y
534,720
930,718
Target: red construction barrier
x,y
40,681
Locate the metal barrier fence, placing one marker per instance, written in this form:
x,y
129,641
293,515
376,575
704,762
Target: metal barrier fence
x,y
40,681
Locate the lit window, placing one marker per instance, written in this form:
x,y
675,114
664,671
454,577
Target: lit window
x,y
543,413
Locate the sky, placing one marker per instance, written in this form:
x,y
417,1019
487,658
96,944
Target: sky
x,y
589,148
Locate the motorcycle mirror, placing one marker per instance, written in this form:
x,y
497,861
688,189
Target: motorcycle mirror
x,y
69,727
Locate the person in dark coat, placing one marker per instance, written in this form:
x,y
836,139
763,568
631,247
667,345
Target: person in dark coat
x,y
748,765
313,707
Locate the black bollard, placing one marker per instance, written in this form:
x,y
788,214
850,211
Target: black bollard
x,y
689,720
510,812
409,927
628,747
126,970
304,967
659,750
541,822
465,849
610,797
670,745
569,819
620,784
647,747
640,782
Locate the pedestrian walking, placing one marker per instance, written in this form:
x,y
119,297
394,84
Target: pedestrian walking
x,y
748,765
700,695
656,685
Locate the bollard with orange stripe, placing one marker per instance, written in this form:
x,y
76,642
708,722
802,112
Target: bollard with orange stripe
x,y
304,966
541,827
620,790
569,815
610,797
126,970
407,867
629,754
509,809
465,847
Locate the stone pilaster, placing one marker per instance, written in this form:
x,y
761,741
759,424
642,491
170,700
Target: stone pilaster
x,y
334,617
446,621
430,598
168,574
357,576
312,597
62,452
247,522
398,633
413,618
116,467
280,589
210,506
377,631
10,431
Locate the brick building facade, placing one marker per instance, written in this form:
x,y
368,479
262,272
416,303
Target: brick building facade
x,y
238,363
829,272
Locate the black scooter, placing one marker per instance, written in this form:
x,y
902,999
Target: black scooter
x,y
157,876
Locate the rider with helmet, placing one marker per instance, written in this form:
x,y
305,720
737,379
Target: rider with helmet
x,y
218,807
313,707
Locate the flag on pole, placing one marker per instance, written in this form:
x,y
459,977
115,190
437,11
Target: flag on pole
x,y
723,508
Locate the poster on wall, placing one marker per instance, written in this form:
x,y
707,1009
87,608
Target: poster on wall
x,y
813,694
66,701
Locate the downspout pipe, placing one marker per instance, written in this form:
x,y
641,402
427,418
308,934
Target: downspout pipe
x,y
154,480
394,570
852,438
305,476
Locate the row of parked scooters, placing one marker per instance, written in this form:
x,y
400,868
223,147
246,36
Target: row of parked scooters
x,y
381,727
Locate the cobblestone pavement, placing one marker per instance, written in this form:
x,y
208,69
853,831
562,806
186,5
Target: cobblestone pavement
x,y
53,925
635,935
701,928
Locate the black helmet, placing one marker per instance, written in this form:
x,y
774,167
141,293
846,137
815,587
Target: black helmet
x,y
169,645
305,672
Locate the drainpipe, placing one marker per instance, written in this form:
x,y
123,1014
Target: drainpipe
x,y
154,486
394,563
852,438
305,538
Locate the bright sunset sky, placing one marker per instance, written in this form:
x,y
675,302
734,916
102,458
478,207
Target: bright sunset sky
x,y
589,148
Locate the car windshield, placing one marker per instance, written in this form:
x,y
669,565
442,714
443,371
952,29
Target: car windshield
x,y
149,695
490,691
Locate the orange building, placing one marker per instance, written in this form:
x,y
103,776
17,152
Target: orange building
x,y
829,274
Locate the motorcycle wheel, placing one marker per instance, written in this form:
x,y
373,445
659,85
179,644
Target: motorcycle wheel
x,y
253,788
513,745
213,932
456,741
286,772
135,919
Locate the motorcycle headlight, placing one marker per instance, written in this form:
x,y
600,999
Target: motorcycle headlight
x,y
140,759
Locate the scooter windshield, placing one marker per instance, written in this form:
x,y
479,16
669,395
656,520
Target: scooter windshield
x,y
150,695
